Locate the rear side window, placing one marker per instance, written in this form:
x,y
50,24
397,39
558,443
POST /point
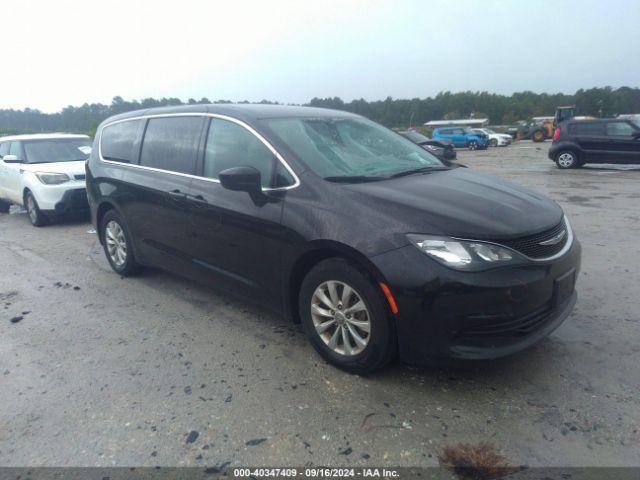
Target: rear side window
x,y
231,145
444,132
171,143
587,128
619,129
120,141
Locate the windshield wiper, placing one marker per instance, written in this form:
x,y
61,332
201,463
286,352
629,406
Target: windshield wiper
x,y
418,170
355,178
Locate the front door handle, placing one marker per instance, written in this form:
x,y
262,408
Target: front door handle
x,y
177,194
197,198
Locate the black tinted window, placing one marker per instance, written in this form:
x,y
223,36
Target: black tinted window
x,y
121,141
171,143
587,128
231,145
619,129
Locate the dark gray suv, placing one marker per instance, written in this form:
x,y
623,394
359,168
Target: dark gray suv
x,y
576,142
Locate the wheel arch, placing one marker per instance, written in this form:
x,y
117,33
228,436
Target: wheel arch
x,y
568,147
101,211
318,251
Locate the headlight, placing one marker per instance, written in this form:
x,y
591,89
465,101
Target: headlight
x,y
52,178
466,255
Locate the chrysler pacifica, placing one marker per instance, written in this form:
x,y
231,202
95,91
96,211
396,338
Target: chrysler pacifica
x,y
377,247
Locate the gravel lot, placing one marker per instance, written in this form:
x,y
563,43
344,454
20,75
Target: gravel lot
x,y
156,370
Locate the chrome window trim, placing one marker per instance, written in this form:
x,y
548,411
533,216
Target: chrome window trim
x,y
200,114
565,249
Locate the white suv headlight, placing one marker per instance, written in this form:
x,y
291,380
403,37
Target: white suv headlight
x,y
50,178
467,255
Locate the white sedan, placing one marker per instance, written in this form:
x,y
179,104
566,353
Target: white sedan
x,y
495,139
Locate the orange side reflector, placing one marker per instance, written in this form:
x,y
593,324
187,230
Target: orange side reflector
x,y
390,299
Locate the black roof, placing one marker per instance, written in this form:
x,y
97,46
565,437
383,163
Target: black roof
x,y
247,112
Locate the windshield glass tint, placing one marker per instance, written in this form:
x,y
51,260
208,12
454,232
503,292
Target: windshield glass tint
x,y
57,150
339,147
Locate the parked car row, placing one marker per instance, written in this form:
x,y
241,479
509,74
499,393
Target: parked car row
x,y
378,248
463,137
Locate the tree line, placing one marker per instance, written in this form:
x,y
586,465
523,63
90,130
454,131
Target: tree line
x,y
399,113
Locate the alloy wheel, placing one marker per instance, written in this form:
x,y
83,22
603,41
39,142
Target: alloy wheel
x,y
341,318
32,210
116,243
473,145
566,160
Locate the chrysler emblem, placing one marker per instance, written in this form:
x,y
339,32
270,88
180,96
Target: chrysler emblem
x,y
554,240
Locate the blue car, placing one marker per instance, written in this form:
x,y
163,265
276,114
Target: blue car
x,y
462,137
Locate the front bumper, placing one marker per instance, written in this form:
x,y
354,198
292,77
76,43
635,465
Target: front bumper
x,y
476,315
72,201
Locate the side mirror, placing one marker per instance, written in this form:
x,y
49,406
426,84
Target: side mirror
x,y
11,159
241,179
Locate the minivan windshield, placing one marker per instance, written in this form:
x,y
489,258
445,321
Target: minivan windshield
x,y
344,149
57,150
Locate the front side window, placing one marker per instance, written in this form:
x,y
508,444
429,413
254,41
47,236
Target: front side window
x,y
171,143
120,142
4,149
231,145
348,147
56,150
16,149
619,129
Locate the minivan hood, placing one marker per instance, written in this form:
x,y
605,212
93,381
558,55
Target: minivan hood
x,y
70,168
460,203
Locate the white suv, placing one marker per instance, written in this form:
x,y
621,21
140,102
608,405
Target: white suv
x,y
44,173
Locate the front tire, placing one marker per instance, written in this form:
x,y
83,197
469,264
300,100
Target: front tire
x,y
117,245
36,217
567,159
473,145
4,206
493,142
345,317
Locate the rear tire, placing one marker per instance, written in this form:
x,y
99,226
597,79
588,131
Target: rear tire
x,y
472,145
117,245
4,206
566,159
337,299
36,217
538,136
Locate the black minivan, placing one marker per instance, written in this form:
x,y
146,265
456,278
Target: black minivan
x,y
375,245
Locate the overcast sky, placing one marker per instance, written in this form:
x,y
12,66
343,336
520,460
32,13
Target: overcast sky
x,y
57,53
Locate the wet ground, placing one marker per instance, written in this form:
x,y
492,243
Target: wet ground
x,y
156,370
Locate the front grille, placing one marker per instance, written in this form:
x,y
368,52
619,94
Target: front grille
x,y
530,246
80,177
